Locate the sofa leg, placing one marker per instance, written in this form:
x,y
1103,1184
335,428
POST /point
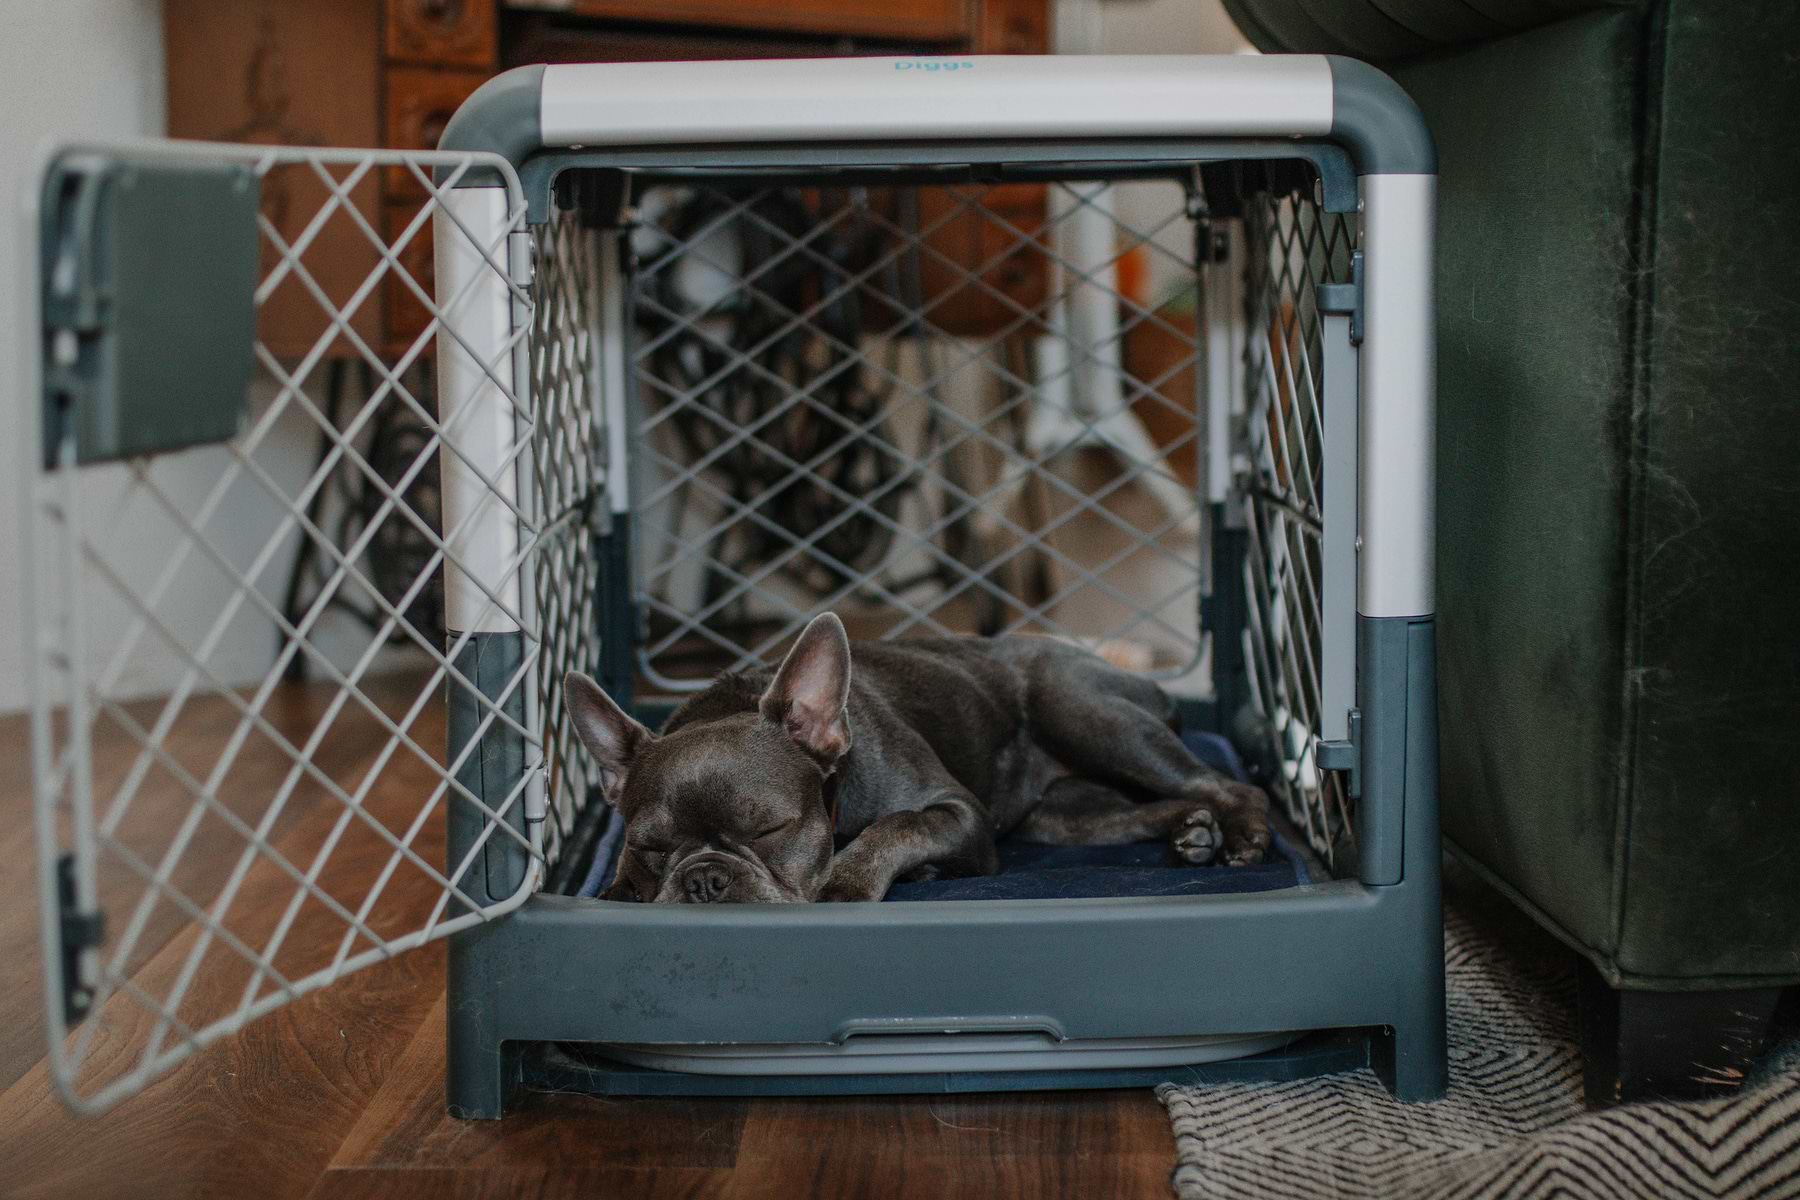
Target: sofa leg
x,y
1639,1045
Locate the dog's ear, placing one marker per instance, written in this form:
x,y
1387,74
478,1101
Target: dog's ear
x,y
811,692
608,732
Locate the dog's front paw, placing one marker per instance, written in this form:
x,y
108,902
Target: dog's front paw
x,y
1197,838
845,887
838,894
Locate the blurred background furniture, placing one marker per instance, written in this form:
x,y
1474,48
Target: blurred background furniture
x,y
391,72
1619,489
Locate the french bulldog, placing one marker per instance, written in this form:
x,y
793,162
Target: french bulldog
x,y
851,767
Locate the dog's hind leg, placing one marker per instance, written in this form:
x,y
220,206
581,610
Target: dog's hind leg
x,y
1081,812
1106,725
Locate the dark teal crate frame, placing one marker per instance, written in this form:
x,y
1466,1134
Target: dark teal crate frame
x,y
1365,960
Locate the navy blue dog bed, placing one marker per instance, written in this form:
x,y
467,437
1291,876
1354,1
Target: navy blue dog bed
x,y
1033,872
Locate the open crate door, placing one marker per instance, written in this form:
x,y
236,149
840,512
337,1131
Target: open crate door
x,y
253,722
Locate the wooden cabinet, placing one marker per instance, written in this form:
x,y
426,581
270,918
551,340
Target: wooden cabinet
x,y
443,33
418,104
1012,27
985,271
912,20
267,71
391,72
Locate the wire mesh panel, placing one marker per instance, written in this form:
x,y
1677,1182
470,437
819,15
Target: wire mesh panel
x,y
1293,245
241,784
936,410
568,447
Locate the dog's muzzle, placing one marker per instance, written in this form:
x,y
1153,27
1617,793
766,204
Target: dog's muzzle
x,y
706,883
717,877
709,878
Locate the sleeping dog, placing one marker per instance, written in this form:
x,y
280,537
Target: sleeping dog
x,y
849,768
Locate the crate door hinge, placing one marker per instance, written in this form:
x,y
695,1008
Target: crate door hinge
x,y
1346,298
1346,755
80,933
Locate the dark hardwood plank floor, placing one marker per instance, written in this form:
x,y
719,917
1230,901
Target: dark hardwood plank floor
x,y
340,1094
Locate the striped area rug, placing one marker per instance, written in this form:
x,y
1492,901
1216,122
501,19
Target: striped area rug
x,y
1513,1124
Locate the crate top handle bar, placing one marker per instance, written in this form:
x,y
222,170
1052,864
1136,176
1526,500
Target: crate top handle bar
x,y
528,109
547,109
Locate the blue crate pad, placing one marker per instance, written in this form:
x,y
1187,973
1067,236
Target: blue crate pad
x,y
1033,872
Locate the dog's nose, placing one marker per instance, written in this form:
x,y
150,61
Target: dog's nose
x,y
707,884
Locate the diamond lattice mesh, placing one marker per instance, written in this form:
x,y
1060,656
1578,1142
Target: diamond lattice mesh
x,y
1294,245
241,689
936,410
568,447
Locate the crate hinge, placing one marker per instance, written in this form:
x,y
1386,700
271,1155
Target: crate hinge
x,y
80,933
1346,755
1346,298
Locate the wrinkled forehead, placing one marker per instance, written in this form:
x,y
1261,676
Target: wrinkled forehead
x,y
721,775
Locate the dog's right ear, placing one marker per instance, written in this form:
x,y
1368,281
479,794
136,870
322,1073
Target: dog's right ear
x,y
811,691
608,732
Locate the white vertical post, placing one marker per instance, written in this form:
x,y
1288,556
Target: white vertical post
x,y
1397,450
1338,405
478,414
1223,324
1086,237
614,376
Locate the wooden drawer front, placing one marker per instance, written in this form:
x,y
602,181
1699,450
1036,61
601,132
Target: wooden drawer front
x,y
541,41
1017,269
1014,27
287,74
449,33
407,315
1162,352
923,20
419,105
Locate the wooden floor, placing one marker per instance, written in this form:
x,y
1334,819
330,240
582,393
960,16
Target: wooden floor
x,y
341,1095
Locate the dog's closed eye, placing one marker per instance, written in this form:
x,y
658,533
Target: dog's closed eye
x,y
771,832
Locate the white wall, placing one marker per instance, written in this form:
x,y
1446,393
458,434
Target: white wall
x,y
1168,27
86,69
1162,27
68,68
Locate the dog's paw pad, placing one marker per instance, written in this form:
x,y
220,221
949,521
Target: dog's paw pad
x,y
1197,839
1247,851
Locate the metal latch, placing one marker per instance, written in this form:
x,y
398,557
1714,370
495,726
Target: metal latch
x,y
149,271
1345,755
521,258
1345,298
81,932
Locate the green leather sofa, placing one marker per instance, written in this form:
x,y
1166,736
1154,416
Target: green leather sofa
x,y
1619,488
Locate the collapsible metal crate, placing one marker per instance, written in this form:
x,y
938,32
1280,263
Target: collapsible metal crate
x,y
719,346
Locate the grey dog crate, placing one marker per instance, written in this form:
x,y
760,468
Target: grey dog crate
x,y
1131,351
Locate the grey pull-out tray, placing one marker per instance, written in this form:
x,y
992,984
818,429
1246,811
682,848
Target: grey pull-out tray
x,y
912,1053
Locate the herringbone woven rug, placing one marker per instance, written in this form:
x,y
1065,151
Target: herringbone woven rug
x,y
1513,1124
